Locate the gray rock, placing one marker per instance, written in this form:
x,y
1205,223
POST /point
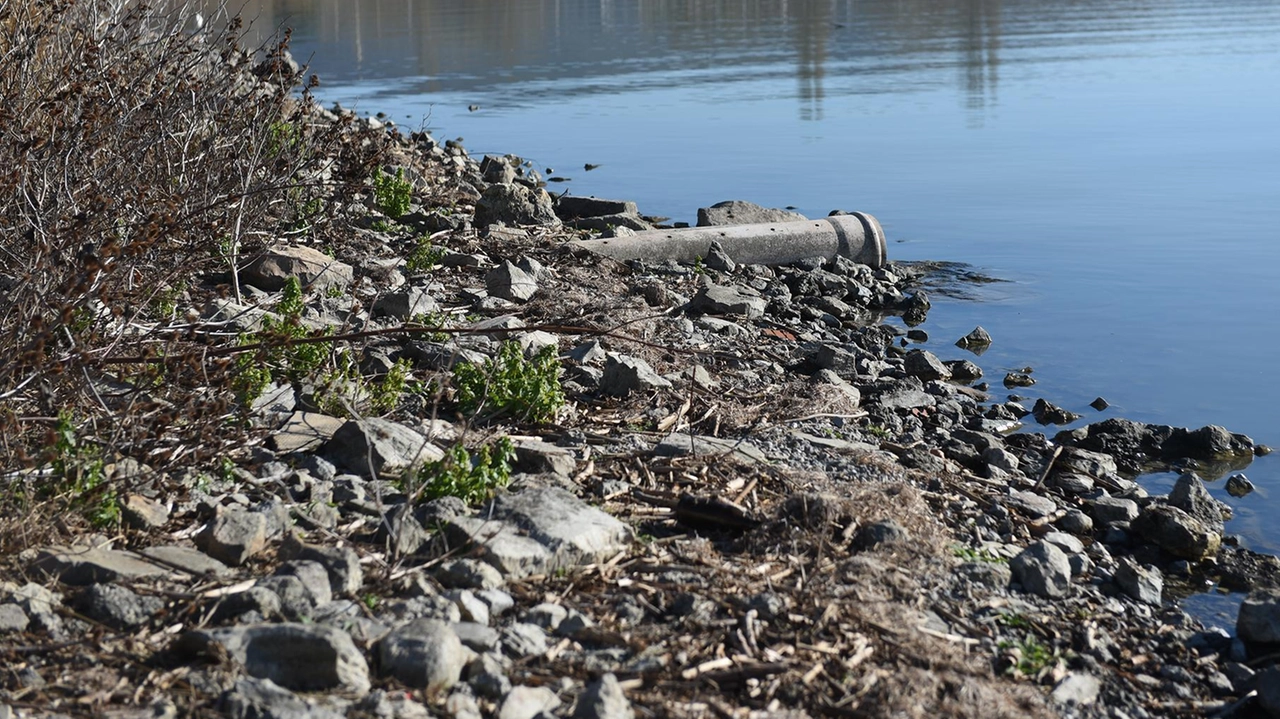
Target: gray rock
x,y
264,699
738,212
12,618
524,640
1065,542
468,574
1031,504
314,578
925,365
313,269
884,531
1207,443
546,615
713,299
528,702
84,565
1018,379
570,207
1239,485
186,560
1087,462
1143,583
470,608
425,654
719,260
679,444
41,605
295,601
301,657
1107,510
1074,483
255,603
572,530
488,677
1042,569
624,374
402,531
477,636
1076,522
1077,688
905,394
536,456
405,303
342,563
1047,413
1259,619
1001,459
509,282
976,341
234,535
143,513
499,601
1268,683
118,607
515,204
1190,495
963,370
1176,532
380,447
501,544
603,699
836,359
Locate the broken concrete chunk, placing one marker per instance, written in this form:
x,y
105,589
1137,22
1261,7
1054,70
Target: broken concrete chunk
x,y
380,447
624,374
508,282
713,299
301,657
234,536
574,531
739,212
679,444
312,268
83,565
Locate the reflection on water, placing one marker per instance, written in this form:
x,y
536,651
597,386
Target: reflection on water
x,y
447,45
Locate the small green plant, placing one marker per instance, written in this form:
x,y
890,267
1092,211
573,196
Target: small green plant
x,y
471,479
1013,620
1031,656
511,385
282,137
699,268
391,193
81,467
254,371
384,396
879,431
424,257
969,554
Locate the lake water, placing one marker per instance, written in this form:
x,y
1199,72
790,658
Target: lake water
x,y
1117,161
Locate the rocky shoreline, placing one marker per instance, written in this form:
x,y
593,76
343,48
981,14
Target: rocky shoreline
x,y
755,494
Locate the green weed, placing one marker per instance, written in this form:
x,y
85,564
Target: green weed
x,y
424,257
392,193
511,385
1032,656
969,554
83,472
254,371
471,479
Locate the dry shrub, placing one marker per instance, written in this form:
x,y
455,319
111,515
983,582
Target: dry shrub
x,y
139,159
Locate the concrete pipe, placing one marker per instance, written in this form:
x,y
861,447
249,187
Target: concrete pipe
x,y
857,236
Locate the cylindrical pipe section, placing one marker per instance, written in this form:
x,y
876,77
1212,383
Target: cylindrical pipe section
x,y
857,236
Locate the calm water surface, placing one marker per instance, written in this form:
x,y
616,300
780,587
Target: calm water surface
x,y
1117,161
